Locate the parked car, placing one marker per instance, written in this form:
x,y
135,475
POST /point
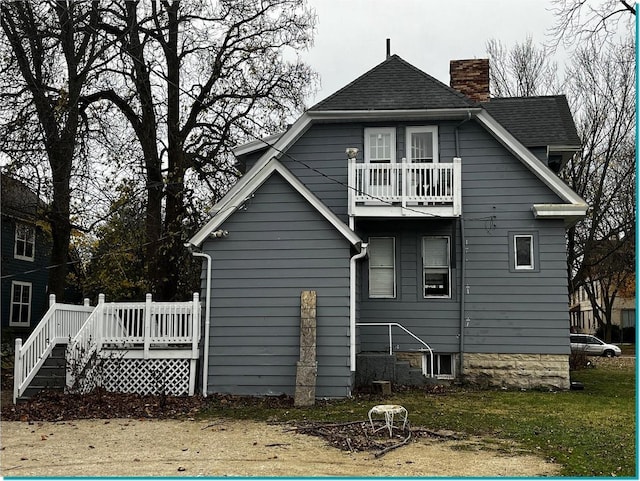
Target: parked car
x,y
592,346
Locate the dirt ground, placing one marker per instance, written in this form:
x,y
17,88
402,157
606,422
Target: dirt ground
x,y
219,447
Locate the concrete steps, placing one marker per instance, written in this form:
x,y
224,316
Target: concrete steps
x,y
376,366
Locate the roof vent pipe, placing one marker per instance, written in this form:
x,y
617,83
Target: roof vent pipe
x,y
388,47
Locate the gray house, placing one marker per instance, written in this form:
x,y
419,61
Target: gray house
x,y
430,222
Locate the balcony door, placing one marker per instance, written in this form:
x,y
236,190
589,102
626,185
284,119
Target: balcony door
x,y
422,153
380,158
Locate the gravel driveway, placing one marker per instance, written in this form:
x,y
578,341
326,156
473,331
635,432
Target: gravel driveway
x,y
125,447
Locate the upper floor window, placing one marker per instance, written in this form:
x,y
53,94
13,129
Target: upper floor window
x,y
20,314
25,244
436,270
380,145
422,144
382,267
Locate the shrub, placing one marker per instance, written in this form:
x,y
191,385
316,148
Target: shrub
x,y
578,360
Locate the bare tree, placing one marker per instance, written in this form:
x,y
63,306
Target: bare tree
x,y
51,51
594,21
193,79
521,71
602,95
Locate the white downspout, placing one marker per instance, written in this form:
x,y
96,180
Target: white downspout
x,y
352,304
207,308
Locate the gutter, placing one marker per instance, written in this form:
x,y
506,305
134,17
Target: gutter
x,y
463,258
352,304
207,310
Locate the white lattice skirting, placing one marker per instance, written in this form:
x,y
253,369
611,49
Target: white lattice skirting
x,y
148,376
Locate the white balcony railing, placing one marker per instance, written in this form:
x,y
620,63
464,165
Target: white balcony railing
x,y
405,188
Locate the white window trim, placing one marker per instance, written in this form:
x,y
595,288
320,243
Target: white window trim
x,y
15,243
392,296
414,130
379,130
13,304
448,296
528,267
436,367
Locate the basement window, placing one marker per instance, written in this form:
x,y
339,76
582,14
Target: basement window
x,y
443,365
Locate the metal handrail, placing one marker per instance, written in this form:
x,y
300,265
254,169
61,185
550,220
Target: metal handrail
x,y
395,324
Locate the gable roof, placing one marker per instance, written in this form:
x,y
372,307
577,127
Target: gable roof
x,y
536,121
396,91
19,201
251,182
394,85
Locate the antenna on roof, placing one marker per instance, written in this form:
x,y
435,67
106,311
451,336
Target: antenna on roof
x,y
388,47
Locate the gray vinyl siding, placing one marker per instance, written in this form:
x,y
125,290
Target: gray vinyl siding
x,y
278,246
507,312
319,160
434,320
510,312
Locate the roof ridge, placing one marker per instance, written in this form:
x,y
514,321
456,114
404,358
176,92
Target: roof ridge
x,y
425,77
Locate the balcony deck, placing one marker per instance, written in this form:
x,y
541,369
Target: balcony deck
x,y
405,189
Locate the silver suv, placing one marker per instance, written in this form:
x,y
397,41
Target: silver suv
x,y
592,346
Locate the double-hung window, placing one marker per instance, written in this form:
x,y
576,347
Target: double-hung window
x,y
436,270
20,314
382,267
25,242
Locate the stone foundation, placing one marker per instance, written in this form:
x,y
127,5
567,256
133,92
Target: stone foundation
x,y
519,371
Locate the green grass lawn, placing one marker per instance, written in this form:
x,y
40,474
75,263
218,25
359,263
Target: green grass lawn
x,y
589,432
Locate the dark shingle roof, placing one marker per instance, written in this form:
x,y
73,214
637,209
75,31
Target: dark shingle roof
x,y
17,200
535,121
394,85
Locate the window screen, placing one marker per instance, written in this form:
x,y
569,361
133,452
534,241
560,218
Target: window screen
x,y
435,263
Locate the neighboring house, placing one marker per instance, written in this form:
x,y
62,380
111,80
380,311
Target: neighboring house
x,y
26,248
583,321
398,199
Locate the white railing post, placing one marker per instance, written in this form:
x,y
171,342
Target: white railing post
x,y
404,187
147,326
100,325
351,171
390,342
457,186
86,302
17,368
52,299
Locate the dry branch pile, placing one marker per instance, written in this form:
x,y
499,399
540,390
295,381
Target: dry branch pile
x,y
360,436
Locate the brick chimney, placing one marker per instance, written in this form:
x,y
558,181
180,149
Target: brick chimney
x,y
471,78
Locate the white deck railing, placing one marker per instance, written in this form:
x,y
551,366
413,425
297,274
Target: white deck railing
x,y
406,184
60,323
134,325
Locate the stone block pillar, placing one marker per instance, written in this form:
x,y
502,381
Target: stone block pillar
x,y
307,366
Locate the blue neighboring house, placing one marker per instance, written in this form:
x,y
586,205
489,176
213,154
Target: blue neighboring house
x,y
407,205
26,250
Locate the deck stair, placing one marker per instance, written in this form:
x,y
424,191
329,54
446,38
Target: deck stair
x,y
139,347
